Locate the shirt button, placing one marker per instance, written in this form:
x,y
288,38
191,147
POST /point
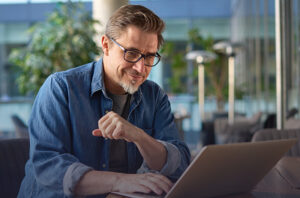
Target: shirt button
x,y
103,165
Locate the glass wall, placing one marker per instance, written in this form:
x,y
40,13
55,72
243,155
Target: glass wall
x,y
12,35
253,25
293,85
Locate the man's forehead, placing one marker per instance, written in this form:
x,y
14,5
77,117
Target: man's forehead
x,y
134,37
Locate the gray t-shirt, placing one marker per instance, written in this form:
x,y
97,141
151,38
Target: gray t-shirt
x,y
118,161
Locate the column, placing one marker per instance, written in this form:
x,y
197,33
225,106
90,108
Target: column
x,y
283,56
102,10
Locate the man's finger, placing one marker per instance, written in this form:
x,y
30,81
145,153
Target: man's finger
x,y
111,130
103,124
142,189
97,132
152,185
102,120
117,134
162,181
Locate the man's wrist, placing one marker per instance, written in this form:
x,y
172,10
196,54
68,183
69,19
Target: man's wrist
x,y
114,184
139,136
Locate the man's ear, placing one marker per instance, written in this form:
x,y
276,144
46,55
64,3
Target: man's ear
x,y
105,45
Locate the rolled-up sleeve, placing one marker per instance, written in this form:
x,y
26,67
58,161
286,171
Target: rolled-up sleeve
x,y
165,131
172,162
73,175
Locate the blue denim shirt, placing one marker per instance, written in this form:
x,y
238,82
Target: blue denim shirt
x,y
66,111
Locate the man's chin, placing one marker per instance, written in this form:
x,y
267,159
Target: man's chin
x,y
129,88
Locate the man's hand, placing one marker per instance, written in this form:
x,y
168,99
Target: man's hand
x,y
102,182
113,126
144,183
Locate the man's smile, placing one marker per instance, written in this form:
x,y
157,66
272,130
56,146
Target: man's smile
x,y
135,76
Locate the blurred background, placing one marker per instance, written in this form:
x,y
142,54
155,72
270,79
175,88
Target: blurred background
x,y
218,66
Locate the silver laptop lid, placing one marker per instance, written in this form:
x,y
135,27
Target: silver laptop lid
x,y
226,169
229,168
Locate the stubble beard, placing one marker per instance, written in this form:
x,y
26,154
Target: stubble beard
x,y
129,87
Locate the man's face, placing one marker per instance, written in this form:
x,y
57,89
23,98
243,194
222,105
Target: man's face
x,y
122,76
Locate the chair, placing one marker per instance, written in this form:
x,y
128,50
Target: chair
x,y
241,130
292,113
21,128
270,121
13,156
178,119
273,134
292,123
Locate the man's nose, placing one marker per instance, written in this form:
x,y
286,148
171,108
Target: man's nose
x,y
139,66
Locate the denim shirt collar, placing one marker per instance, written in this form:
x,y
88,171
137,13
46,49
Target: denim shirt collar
x,y
97,83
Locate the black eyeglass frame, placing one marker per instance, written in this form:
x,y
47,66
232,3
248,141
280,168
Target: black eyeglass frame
x,y
157,55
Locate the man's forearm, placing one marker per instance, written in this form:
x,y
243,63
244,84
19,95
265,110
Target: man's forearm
x,y
96,182
101,182
153,152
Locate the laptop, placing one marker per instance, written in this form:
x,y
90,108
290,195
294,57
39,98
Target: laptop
x,y
226,169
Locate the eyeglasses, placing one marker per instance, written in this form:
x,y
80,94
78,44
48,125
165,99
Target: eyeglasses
x,y
133,56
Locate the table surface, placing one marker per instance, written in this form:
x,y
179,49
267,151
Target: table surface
x,y
283,181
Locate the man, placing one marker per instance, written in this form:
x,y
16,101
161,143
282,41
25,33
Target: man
x,y
92,128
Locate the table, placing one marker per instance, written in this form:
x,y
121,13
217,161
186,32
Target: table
x,y
283,181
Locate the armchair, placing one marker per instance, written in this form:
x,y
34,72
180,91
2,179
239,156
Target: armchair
x,y
13,156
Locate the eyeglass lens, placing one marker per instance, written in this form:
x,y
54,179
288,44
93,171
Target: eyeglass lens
x,y
134,56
